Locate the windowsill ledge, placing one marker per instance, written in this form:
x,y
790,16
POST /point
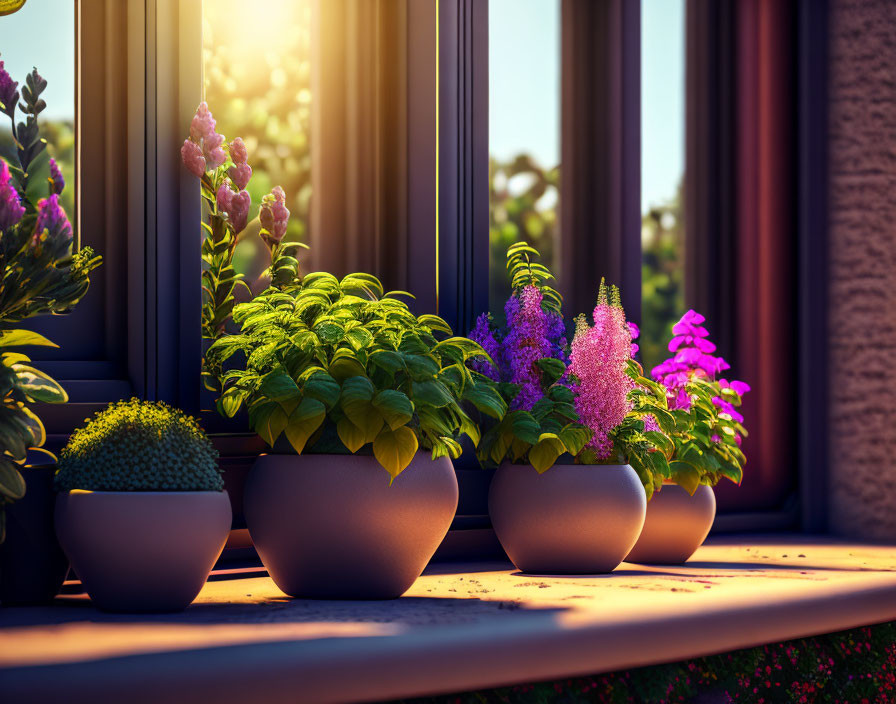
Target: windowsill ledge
x,y
460,627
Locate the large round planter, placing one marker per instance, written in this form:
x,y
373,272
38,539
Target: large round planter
x,y
32,564
677,524
143,551
573,519
331,526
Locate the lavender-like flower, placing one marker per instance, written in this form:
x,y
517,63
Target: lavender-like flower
x,y
238,152
9,94
483,334
52,221
191,154
239,210
209,143
598,359
526,342
274,215
11,210
58,182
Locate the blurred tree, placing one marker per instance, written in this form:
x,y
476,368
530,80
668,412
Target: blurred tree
x,y
258,86
662,277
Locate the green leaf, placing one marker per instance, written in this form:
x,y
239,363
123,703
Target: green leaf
x,y
575,437
551,369
17,338
38,385
353,437
525,427
431,393
486,399
395,407
394,449
545,452
434,322
324,388
685,475
278,386
12,484
304,421
270,422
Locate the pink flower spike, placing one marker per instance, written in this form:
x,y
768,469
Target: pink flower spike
x,y
704,345
224,197
239,213
274,215
693,317
215,158
240,174
238,152
203,124
191,154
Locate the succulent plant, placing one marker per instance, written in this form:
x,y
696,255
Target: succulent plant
x,y
139,446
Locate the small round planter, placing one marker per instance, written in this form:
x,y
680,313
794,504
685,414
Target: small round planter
x,y
32,564
573,519
143,551
331,526
677,524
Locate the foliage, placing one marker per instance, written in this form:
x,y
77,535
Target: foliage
x,y
707,445
40,276
850,667
522,198
139,446
223,177
335,366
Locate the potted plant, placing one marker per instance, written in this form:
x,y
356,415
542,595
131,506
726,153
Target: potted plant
x,y
39,275
142,513
706,443
573,453
360,401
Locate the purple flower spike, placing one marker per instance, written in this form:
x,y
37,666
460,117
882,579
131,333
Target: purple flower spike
x,y
56,177
11,210
482,333
274,215
9,94
52,220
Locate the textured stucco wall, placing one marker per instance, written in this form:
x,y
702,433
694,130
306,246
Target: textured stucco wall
x,y
862,159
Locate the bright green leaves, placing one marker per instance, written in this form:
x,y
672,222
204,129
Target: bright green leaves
x,y
21,338
685,475
431,393
304,422
394,449
545,452
278,386
356,402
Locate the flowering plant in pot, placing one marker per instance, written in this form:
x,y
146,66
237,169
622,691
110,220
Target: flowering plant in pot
x,y
39,275
360,400
706,444
142,513
575,456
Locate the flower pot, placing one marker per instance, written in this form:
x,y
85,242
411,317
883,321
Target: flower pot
x,y
331,526
677,524
32,564
573,519
143,551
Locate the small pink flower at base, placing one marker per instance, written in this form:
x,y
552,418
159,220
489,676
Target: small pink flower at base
x,y
636,333
51,218
239,210
274,215
240,174
11,210
238,152
56,177
191,154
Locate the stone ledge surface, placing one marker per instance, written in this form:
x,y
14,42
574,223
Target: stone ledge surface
x,y
460,627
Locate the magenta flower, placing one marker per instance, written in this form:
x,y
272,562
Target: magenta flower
x,y
274,215
240,174
635,333
239,210
191,154
9,93
52,220
598,361
203,135
11,210
238,152
56,177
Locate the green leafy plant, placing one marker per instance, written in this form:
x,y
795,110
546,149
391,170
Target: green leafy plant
x,y
39,275
139,446
337,365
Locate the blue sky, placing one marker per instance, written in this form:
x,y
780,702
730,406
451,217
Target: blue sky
x,y
524,87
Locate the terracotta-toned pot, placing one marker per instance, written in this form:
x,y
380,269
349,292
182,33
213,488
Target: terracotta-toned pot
x,y
32,564
143,551
331,526
677,524
573,519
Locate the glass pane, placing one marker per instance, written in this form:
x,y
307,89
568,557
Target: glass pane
x,y
524,132
258,86
662,173
42,34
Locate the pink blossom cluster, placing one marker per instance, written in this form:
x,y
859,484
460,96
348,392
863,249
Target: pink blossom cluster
x,y
274,215
236,205
692,357
52,219
240,172
203,150
598,358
